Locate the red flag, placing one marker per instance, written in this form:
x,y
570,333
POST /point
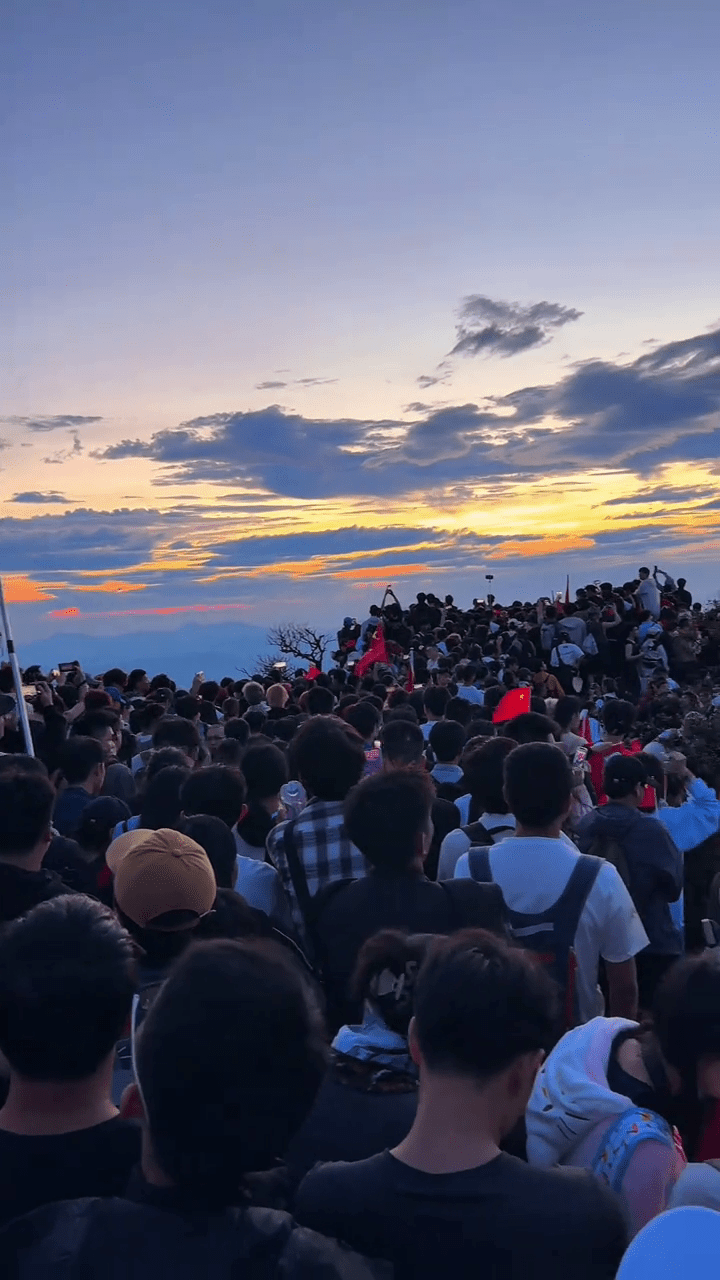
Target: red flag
x,y
515,703
313,673
410,682
376,653
567,590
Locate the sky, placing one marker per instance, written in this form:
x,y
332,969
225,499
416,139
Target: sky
x,y
303,299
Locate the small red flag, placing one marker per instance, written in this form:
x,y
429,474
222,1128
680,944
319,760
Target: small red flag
x,y
410,682
376,653
313,673
515,703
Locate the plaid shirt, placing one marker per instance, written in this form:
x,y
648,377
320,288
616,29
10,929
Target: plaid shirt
x,y
323,848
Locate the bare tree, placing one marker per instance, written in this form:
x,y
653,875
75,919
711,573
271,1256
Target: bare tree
x,y
296,640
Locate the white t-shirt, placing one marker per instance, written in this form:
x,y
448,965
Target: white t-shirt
x,y
649,597
456,842
533,871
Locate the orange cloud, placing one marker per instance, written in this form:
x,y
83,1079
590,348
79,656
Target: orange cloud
x,y
22,590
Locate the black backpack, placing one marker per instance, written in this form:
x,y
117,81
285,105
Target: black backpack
x,y
550,934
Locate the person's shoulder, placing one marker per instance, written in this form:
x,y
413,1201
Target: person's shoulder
x,y
579,1197
303,1252
342,1183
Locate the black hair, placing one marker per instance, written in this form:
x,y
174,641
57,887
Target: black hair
x,y
621,775
328,757
67,979
402,742
483,772
216,1111
214,790
175,732
96,722
265,770
459,710
435,699
565,710
98,821
164,759
115,678
320,701
209,690
137,674
538,784
404,712
161,806
239,729
26,805
78,757
480,1004
399,954
188,707
447,739
215,837
385,814
618,716
530,727
255,720
364,717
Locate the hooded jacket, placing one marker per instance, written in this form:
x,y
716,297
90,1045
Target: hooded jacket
x,y
21,889
654,863
572,1108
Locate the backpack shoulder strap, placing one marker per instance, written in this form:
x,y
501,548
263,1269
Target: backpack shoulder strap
x,y
565,913
476,833
630,1129
296,869
479,864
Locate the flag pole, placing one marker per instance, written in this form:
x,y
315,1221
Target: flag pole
x,y
17,678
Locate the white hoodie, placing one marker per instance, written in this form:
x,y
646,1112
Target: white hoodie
x,y
572,1108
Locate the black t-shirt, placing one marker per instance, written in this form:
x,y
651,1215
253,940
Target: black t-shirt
x,y
503,1221
350,912
66,1166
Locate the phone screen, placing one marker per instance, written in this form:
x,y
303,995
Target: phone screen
x,y
29,690
68,666
580,756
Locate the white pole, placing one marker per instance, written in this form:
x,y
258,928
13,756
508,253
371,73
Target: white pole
x,y
17,678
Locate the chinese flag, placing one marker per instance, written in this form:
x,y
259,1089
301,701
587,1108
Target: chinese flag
x,y
410,682
376,653
515,703
313,673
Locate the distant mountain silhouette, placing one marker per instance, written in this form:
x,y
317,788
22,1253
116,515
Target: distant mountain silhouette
x,y
218,649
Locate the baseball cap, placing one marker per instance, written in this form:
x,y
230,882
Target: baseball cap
x,y
159,872
116,694
7,704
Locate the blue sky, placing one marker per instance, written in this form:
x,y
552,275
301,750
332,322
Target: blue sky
x,y
301,297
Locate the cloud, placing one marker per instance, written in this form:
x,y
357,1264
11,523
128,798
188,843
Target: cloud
x,y
34,496
63,455
487,327
269,386
663,407
315,382
53,423
665,494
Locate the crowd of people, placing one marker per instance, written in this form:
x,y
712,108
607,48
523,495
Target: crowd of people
x,y
402,966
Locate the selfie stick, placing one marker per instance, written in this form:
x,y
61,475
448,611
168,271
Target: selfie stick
x,y
17,678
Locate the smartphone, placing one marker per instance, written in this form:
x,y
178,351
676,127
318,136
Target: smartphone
x,y
580,757
29,690
68,666
709,933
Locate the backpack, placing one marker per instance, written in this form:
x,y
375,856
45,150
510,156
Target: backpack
x,y
604,845
478,834
550,934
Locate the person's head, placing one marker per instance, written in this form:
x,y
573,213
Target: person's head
x,y
618,717
138,683
538,785
215,837
320,701
327,756
624,780
459,710
161,805
364,719
642,573
681,583
82,763
188,708
163,884
238,729
173,731
214,790
483,772
228,751
530,727
265,770
685,1021
276,696
165,758
484,1016
98,821
209,690
386,972
219,1105
115,676
567,714
402,745
388,818
256,721
435,702
253,693
67,979
447,739
26,805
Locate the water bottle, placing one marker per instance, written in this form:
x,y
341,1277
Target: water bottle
x,y
294,798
